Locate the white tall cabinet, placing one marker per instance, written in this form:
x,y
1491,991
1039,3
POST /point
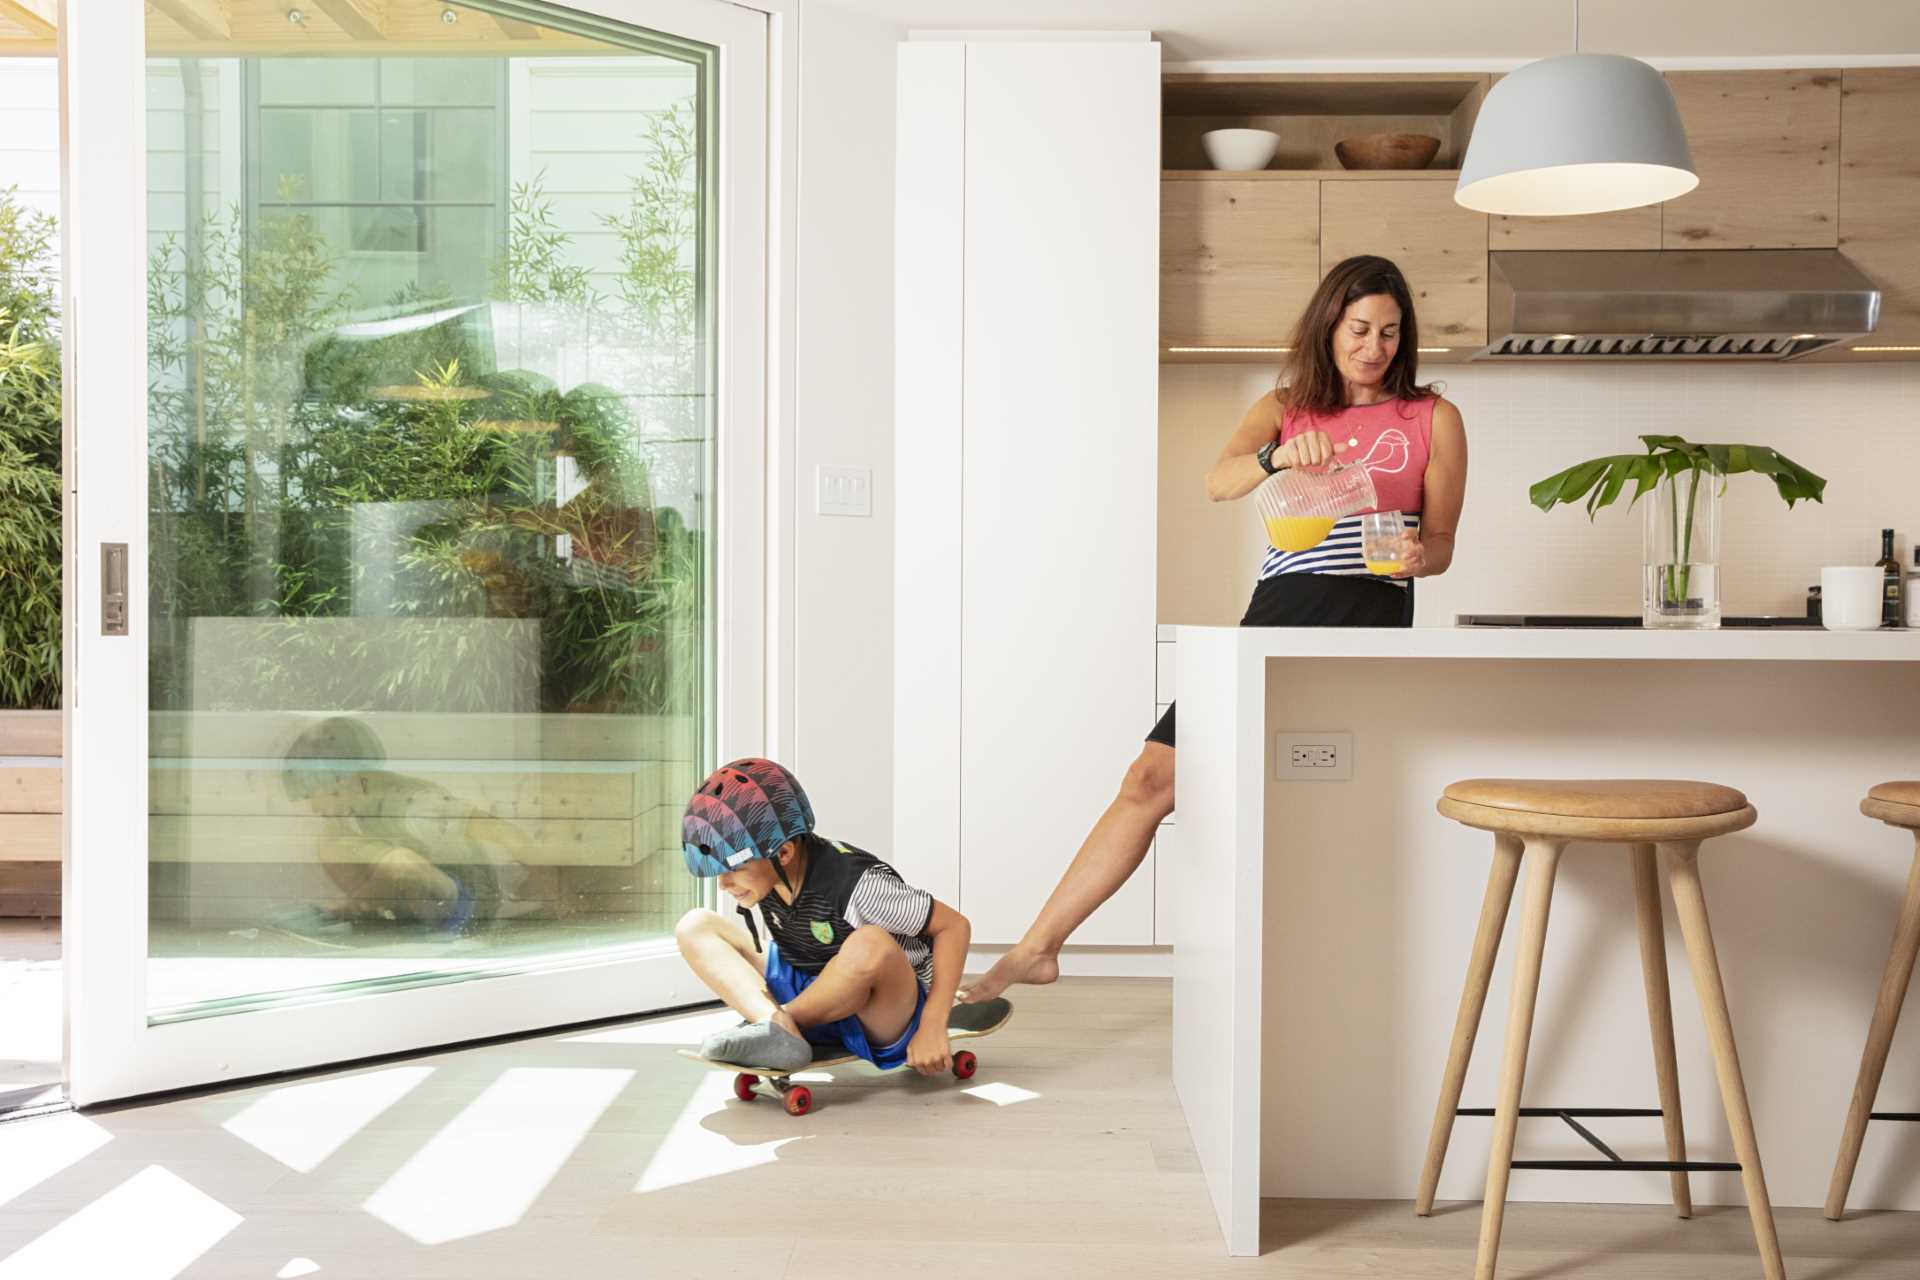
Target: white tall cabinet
x,y
1027,280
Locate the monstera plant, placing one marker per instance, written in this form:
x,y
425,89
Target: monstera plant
x,y
1682,529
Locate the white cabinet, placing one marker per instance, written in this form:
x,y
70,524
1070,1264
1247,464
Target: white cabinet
x,y
1027,384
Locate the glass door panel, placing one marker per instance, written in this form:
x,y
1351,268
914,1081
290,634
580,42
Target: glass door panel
x,y
436,407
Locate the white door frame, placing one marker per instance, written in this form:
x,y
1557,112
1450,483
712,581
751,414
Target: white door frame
x,y
111,1050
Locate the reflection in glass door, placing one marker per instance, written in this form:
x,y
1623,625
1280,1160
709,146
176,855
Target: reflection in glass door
x,y
430,433
452,369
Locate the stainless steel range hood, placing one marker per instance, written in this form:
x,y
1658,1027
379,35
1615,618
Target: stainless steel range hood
x,y
1677,304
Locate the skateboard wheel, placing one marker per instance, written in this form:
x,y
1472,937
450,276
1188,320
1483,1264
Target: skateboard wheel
x,y
799,1100
965,1064
743,1086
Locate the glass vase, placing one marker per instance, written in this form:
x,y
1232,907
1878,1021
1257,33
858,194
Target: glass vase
x,y
1680,570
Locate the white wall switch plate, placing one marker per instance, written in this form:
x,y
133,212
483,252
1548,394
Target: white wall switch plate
x,y
843,491
1312,755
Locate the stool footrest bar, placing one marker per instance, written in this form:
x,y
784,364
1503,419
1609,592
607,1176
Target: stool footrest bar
x,y
1613,1160
1895,1115
1632,1166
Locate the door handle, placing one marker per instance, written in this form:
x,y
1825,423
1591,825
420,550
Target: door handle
x,y
113,588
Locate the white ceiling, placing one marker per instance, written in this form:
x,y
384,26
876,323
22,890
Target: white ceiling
x,y
1490,31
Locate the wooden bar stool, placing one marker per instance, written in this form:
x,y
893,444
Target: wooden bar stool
x,y
1539,819
1897,804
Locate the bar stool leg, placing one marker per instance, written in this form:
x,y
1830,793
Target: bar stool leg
x,y
1653,967
1473,1000
1543,859
1886,1016
1690,904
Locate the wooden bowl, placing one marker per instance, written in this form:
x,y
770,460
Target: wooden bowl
x,y
1387,151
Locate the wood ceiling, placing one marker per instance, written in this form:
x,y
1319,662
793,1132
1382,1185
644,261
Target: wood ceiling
x,y
235,28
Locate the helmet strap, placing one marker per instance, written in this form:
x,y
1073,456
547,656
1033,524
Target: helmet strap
x,y
752,929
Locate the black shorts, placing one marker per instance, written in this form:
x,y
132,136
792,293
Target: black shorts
x,y
1317,600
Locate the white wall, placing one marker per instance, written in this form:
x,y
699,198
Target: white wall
x,y
843,667
1855,425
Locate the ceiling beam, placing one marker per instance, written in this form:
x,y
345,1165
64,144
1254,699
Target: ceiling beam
x,y
35,15
360,19
517,29
202,19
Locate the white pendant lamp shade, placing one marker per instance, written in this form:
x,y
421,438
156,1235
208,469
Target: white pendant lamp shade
x,y
1580,133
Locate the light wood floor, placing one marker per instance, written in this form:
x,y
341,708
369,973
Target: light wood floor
x,y
600,1153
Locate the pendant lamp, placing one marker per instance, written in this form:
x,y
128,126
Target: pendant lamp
x,y
1578,133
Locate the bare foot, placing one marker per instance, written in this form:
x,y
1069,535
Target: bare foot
x,y
1018,965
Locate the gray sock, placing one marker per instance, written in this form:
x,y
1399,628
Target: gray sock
x,y
762,1044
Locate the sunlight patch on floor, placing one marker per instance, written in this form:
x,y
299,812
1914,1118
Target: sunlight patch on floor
x,y
302,1124
150,1227
1000,1093
31,1151
485,1169
691,1152
295,1268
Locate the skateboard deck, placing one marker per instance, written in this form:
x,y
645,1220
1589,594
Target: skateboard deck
x,y
967,1022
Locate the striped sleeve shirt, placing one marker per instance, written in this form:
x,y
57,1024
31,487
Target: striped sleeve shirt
x,y
1338,554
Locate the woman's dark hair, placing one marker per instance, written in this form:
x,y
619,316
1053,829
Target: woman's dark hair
x,y
1310,381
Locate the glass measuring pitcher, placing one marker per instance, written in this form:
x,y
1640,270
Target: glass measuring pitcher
x,y
1299,507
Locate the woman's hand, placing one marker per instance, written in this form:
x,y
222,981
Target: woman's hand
x,y
1308,449
1413,557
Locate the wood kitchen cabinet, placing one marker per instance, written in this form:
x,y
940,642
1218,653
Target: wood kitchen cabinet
x,y
1238,260
1440,246
1766,145
1880,196
1620,229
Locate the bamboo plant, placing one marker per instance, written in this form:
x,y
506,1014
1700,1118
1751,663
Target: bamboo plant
x,y
1601,480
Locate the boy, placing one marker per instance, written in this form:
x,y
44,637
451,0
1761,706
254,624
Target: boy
x,y
856,956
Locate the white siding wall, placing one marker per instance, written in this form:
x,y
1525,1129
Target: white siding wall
x,y
30,131
580,126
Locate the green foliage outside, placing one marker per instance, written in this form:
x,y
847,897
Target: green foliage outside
x,y
278,428
29,459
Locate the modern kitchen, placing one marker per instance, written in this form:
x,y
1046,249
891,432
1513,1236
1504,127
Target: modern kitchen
x,y
1624,605
1491,427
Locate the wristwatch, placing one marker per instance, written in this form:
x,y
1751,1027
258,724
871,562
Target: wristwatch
x,y
1265,457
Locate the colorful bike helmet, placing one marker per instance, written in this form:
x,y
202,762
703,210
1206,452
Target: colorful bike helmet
x,y
744,810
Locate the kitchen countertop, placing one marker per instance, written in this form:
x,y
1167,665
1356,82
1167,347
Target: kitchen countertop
x,y
1899,645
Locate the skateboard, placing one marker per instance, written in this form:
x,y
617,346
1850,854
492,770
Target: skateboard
x,y
967,1022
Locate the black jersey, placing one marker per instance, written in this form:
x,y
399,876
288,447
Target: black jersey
x,y
845,889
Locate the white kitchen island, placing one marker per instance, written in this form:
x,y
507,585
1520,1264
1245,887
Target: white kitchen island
x,y
1323,928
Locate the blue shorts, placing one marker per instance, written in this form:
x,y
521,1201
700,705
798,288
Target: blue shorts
x,y
784,983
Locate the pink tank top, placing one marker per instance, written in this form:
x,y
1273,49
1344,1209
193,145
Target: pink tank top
x,y
1392,440
1395,438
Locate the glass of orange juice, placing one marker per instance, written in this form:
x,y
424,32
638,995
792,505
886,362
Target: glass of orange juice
x,y
1383,540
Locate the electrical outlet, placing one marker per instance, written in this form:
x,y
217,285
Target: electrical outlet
x,y
1312,755
843,491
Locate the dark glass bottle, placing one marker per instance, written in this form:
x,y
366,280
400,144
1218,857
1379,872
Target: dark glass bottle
x,y
1892,608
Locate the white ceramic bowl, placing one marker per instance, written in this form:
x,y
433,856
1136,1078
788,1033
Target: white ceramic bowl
x,y
1850,597
1240,149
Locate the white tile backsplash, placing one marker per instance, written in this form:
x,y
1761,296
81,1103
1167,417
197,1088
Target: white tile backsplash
x,y
1857,425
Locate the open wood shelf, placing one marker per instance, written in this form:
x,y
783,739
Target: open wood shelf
x,y
1306,175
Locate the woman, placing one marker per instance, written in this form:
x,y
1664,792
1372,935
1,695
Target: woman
x,y
1349,385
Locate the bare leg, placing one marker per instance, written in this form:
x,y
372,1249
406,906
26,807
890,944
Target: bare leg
x,y
723,956
1112,851
869,979
397,883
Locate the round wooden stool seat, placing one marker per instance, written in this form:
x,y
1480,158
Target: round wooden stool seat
x,y
1628,810
1894,802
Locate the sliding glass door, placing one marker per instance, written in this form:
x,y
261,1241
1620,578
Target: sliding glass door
x,y
415,561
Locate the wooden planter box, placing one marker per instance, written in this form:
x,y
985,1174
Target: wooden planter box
x,y
591,801
30,813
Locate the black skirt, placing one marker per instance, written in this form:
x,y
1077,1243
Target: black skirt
x,y
1317,600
